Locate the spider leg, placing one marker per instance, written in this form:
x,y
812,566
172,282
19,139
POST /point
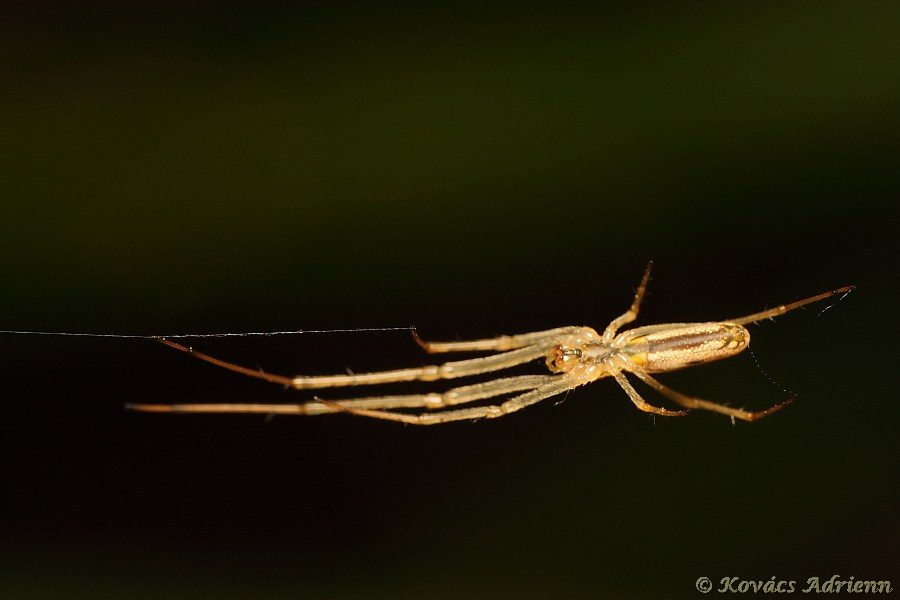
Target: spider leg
x,y
503,342
640,402
449,370
780,310
459,395
691,402
631,314
558,385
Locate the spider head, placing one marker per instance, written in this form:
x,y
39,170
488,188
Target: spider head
x,y
562,358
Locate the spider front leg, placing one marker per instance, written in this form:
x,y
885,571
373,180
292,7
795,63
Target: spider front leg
x,y
455,396
448,370
558,385
499,343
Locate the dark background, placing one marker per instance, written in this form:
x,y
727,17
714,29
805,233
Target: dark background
x,y
469,171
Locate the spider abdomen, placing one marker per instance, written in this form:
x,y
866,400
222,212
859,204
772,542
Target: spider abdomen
x,y
682,346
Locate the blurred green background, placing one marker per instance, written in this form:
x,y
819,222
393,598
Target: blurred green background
x,y
470,171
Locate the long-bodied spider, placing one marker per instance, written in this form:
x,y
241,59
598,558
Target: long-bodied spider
x,y
575,356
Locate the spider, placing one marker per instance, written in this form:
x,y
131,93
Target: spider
x,y
574,355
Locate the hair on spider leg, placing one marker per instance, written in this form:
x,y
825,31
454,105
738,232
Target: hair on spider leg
x,y
565,397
